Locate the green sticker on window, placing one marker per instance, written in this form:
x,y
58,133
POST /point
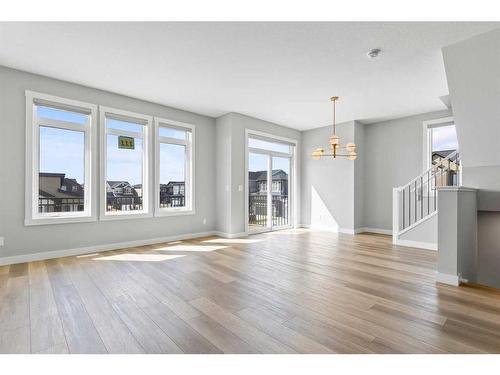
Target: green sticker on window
x,y
127,143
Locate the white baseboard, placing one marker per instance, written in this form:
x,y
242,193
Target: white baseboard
x,y
327,228
445,278
230,235
347,231
98,248
420,245
374,230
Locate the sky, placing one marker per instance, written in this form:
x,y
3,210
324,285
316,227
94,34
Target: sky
x,y
258,162
444,138
62,151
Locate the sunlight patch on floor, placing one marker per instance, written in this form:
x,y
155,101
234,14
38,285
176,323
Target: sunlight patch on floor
x,y
193,248
131,257
233,240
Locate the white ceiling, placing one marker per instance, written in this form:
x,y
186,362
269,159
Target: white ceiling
x,y
280,72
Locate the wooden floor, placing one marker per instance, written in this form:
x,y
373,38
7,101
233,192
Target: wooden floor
x,y
296,291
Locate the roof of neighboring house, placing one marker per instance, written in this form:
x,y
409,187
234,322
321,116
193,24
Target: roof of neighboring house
x,y
47,190
116,183
170,183
44,194
443,153
262,175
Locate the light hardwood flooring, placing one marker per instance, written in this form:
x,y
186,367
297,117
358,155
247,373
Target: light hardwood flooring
x,y
294,291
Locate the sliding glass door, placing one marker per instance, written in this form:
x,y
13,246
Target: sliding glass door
x,y
269,182
279,191
258,170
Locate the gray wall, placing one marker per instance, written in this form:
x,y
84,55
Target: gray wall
x,y
394,156
473,73
223,173
231,128
328,185
359,175
20,239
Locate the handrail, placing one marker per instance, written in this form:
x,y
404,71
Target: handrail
x,y
417,199
431,169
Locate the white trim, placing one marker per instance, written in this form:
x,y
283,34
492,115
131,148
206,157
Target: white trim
x,y
98,248
33,99
457,189
146,122
189,167
445,278
427,138
231,235
407,229
374,230
417,244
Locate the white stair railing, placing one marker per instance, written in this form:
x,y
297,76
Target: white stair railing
x,y
417,200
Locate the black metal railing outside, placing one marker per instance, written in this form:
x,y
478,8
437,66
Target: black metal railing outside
x,y
124,203
257,210
172,201
46,205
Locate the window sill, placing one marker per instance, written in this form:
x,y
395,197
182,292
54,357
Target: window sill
x,y
58,220
166,212
125,216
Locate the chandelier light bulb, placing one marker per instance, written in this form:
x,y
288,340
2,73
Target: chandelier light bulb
x,y
334,139
352,155
350,147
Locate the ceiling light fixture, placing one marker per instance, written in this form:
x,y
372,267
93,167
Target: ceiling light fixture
x,y
373,53
335,145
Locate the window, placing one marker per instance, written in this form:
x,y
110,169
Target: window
x,y
173,167
59,148
124,164
440,140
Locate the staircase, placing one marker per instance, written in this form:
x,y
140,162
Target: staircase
x,y
414,218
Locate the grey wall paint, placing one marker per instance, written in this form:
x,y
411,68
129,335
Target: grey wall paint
x,y
393,156
457,221
223,173
473,73
327,185
20,239
488,253
424,232
232,127
359,175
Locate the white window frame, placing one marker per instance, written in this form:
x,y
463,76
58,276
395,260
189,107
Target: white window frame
x,y
133,117
427,137
189,167
292,178
33,123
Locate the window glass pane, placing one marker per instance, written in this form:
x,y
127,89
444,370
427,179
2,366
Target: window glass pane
x,y
444,138
172,175
123,176
280,179
270,146
258,166
59,114
172,133
123,125
61,170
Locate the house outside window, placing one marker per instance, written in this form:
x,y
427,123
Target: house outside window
x,y
124,163
174,170
60,140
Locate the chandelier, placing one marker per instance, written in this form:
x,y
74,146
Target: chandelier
x,y
348,150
